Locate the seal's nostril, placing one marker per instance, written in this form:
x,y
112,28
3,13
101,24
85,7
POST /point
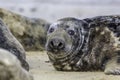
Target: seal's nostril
x,y
56,44
51,44
61,45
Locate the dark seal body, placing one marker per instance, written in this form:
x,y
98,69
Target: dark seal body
x,y
91,44
10,43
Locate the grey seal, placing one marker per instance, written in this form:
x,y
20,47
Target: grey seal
x,y
10,67
91,44
10,43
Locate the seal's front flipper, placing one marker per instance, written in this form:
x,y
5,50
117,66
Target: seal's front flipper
x,y
113,66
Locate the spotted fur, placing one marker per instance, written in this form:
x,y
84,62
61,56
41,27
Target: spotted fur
x,y
95,46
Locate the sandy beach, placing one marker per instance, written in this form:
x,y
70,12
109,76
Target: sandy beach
x,y
41,69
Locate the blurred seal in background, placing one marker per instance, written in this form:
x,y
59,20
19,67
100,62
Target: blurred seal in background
x,y
30,32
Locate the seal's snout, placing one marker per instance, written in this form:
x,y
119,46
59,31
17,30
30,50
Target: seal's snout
x,y
56,44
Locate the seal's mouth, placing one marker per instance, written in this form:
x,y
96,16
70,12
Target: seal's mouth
x,y
59,54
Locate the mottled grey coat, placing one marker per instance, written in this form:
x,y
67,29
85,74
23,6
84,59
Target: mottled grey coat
x,y
87,45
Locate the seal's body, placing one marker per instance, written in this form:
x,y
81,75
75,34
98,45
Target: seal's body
x,y
30,32
10,67
10,43
85,45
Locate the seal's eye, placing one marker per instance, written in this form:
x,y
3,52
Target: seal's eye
x,y
51,30
71,32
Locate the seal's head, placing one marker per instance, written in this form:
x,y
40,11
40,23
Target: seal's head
x,y
64,39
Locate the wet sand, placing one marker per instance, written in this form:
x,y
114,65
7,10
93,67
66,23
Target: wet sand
x,y
41,69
